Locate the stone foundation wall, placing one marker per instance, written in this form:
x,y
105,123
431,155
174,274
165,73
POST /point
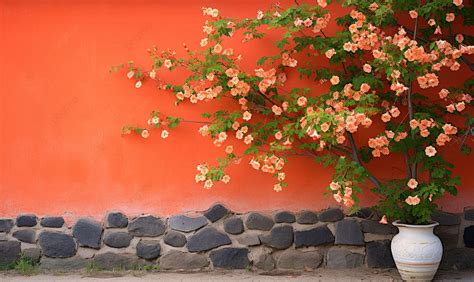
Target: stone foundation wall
x,y
219,238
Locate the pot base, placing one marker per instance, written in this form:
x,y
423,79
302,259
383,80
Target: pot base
x,y
417,272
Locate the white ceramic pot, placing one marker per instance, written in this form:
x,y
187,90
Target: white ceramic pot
x,y
417,251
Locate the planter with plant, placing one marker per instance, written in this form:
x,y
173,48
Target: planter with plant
x,y
383,79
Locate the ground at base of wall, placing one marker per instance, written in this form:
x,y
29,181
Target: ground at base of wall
x,y
236,275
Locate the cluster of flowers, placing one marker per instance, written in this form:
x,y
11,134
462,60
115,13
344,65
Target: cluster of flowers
x,y
345,196
204,175
272,165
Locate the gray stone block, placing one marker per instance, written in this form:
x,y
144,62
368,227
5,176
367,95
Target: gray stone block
x,y
63,264
52,221
230,258
57,245
468,236
34,254
216,212
306,217
206,239
113,261
25,235
177,260
10,251
331,215
469,214
234,225
372,226
338,258
118,239
249,240
314,237
116,220
146,226
258,221
444,218
26,220
187,224
264,262
284,217
458,259
348,233
148,249
298,260
379,254
6,225
280,237
88,233
175,239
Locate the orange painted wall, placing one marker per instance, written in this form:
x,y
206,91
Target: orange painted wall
x,y
61,113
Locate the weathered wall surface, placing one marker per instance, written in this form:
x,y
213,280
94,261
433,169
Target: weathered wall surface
x,y
221,239
61,112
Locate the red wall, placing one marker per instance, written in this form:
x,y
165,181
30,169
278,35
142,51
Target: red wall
x,y
61,113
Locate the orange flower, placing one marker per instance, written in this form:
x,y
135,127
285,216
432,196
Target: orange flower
x,y
413,201
412,183
367,68
334,80
450,17
413,14
430,151
383,220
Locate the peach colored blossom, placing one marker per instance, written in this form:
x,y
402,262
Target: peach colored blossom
x,y
413,201
229,149
247,115
225,179
145,134
340,139
443,93
431,22
383,220
373,7
460,106
152,74
367,68
259,15
322,3
450,108
308,22
217,49
324,127
430,197
459,38
244,129
395,112
364,87
203,42
438,30
347,191
457,2
130,74
413,14
430,151
248,139
138,84
412,183
208,184
424,133
167,64
450,129
334,186
302,101
164,134
278,135
155,120
386,117
450,17
338,197
277,187
348,202
334,80
390,134
281,176
329,53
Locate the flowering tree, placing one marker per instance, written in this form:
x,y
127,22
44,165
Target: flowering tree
x,y
375,65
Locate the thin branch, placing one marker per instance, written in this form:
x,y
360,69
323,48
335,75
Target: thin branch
x,y
355,157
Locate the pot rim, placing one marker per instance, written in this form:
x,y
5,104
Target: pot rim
x,y
397,223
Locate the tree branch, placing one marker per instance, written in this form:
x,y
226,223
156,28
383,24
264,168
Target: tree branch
x,y
355,157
